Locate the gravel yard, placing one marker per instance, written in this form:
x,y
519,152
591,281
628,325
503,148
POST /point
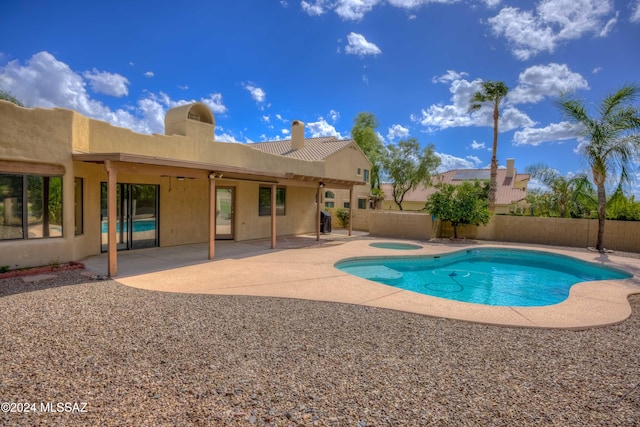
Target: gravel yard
x,y
137,357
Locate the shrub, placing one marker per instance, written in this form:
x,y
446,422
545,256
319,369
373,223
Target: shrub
x,y
343,217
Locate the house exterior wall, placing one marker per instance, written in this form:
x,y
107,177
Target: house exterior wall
x,y
49,137
31,138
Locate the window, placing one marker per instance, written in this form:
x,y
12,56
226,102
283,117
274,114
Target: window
x,y
362,203
329,204
264,201
329,195
346,205
78,200
30,206
366,175
359,171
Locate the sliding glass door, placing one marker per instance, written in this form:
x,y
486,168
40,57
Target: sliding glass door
x,y
136,216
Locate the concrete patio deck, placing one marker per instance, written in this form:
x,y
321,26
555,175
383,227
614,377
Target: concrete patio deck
x,y
301,267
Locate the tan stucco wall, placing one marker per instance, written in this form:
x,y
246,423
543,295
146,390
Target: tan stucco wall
x,y
105,138
39,137
300,213
50,136
345,163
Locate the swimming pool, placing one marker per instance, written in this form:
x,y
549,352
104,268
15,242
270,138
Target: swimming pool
x,y
395,245
490,276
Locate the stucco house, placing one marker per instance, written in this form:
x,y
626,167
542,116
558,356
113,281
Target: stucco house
x,y
71,186
510,195
332,151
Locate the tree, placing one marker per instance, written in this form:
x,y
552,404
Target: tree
x,y
8,97
612,141
460,204
567,196
619,207
408,166
364,134
492,93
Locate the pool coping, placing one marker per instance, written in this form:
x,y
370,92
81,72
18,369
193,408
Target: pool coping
x,y
308,273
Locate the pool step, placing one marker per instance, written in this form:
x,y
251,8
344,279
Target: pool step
x,y
379,273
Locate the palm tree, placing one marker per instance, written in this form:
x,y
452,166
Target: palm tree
x,y
612,140
569,196
492,93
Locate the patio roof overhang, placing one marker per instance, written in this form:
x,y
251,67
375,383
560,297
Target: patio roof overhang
x,y
151,165
116,163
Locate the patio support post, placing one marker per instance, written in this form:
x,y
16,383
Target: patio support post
x,y
112,245
319,199
212,216
274,187
350,210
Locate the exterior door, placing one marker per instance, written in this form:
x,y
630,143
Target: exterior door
x,y
224,212
136,216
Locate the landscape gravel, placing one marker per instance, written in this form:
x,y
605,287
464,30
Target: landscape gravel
x,y
127,357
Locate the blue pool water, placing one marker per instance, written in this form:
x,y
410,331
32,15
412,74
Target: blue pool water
x,y
138,225
491,276
394,245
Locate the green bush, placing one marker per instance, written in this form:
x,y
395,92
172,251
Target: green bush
x,y
343,217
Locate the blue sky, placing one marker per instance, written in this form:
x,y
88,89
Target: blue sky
x,y
259,64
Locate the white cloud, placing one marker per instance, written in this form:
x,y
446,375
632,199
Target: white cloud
x,y
449,76
358,45
635,11
456,114
540,81
315,9
43,81
475,145
321,128
46,82
354,10
107,83
334,115
225,137
149,74
449,162
555,132
552,23
397,132
257,93
214,101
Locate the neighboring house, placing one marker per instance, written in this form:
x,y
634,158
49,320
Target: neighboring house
x,y
332,151
71,187
510,197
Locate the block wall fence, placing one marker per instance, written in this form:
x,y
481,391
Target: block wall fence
x,y
619,235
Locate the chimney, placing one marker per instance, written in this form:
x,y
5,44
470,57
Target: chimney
x,y
511,170
297,135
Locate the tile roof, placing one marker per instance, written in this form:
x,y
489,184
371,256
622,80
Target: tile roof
x,y
506,194
314,148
